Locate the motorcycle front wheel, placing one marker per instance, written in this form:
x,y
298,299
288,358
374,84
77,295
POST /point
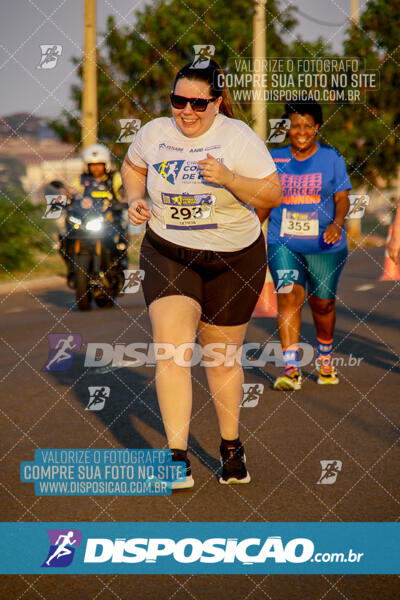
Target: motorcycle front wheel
x,y
83,293
104,301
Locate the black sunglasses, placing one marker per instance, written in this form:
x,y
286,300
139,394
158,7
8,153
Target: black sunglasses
x,y
197,104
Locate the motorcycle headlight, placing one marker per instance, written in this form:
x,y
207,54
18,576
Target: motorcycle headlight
x,y
74,220
94,224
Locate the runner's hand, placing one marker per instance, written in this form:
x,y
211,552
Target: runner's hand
x,y
332,233
139,212
214,172
393,249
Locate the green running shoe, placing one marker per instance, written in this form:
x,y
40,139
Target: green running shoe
x,y
327,373
290,380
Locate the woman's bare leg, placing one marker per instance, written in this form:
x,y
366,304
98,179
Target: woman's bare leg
x,y
225,381
174,321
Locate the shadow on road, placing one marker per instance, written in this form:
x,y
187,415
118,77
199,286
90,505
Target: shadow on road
x,y
132,398
370,318
372,351
63,299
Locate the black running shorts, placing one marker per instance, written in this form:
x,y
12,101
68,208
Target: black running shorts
x,y
225,284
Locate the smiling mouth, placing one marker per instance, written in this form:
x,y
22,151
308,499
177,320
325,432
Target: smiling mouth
x,y
188,121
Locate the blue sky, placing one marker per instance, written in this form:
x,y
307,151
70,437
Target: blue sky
x,y
26,24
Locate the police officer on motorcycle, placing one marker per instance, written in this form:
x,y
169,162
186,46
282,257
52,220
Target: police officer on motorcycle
x,y
98,180
98,177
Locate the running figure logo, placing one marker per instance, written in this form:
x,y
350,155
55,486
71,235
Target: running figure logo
x,y
286,281
330,471
129,128
133,277
168,169
97,397
62,346
251,394
202,55
55,205
50,56
358,204
278,130
62,547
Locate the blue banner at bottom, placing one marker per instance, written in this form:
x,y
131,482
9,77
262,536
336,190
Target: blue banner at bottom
x,y
199,548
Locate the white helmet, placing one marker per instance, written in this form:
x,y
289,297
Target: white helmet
x,y
96,153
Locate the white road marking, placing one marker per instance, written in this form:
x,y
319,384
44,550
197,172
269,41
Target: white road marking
x,y
364,287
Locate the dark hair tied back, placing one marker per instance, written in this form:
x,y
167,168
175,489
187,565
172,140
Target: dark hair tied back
x,y
214,76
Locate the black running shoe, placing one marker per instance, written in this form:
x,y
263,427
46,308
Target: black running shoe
x,y
233,462
181,455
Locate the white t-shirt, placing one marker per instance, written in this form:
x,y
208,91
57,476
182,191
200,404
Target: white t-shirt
x,y
186,210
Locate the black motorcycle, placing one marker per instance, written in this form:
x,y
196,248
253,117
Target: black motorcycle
x,y
94,246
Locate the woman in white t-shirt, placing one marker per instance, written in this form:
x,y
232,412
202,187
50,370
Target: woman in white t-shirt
x,y
203,254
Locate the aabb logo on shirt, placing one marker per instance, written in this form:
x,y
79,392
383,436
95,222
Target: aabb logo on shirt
x,y
169,169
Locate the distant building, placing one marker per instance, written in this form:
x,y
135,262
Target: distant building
x,y
29,140
27,126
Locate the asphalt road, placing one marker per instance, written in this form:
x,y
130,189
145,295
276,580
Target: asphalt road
x,y
286,435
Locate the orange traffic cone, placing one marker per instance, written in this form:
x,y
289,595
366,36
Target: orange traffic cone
x,y
267,305
391,271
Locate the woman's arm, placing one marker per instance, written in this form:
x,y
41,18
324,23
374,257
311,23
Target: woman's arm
x,y
263,213
134,180
258,193
334,230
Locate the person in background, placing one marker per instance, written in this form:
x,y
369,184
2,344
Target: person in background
x,y
306,240
98,181
393,243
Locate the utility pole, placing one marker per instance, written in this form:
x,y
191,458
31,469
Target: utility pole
x,y
353,226
355,11
89,91
258,104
